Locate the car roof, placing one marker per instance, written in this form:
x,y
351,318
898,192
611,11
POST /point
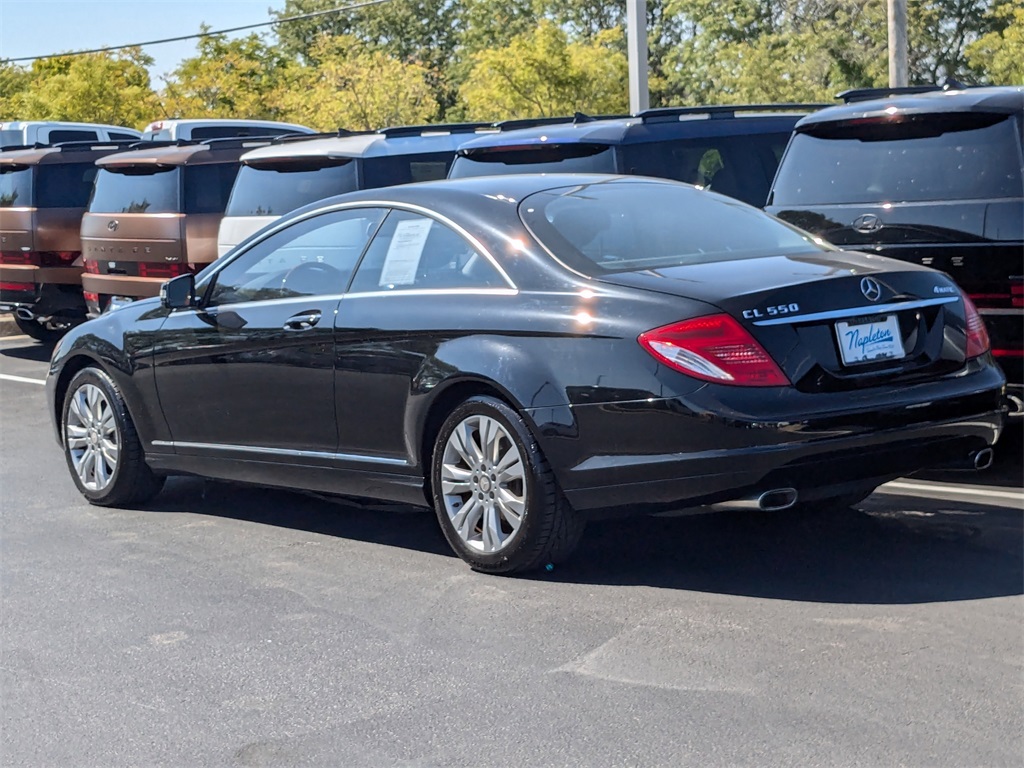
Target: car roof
x,y
61,153
654,125
993,99
194,121
16,125
388,142
184,153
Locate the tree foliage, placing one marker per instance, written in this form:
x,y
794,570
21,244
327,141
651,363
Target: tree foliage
x,y
1000,52
109,88
542,73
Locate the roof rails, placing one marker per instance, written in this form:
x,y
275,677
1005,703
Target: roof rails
x,y
84,146
672,114
235,142
866,94
286,138
419,130
538,122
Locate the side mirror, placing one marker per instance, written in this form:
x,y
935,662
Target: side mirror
x,y
179,292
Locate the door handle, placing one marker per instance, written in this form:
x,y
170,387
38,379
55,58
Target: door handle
x,y
302,321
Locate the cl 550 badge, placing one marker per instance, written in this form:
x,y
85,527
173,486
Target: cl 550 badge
x,y
778,309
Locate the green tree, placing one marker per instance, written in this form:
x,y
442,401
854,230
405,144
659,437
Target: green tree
x,y
14,82
97,88
541,73
238,78
355,88
999,54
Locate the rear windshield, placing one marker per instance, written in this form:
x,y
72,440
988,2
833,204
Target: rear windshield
x,y
15,187
274,191
208,186
935,157
65,185
138,191
404,169
633,226
543,158
738,166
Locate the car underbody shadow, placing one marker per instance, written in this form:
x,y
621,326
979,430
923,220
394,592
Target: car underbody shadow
x,y
890,550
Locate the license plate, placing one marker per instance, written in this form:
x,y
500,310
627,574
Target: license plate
x,y
870,338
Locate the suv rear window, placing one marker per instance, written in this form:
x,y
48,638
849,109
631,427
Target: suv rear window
x,y
930,157
627,227
64,185
208,187
404,169
540,158
276,190
15,187
137,191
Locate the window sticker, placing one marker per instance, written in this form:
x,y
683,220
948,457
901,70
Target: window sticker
x,y
403,257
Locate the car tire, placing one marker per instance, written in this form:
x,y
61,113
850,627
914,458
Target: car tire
x,y
38,331
494,493
101,446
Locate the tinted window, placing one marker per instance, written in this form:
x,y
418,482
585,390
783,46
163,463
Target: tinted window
x,y
623,227
274,191
56,136
226,131
67,185
15,187
207,187
403,169
413,251
313,257
935,157
547,158
138,191
737,166
115,136
10,138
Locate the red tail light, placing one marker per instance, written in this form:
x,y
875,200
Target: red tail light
x,y
39,258
977,336
16,257
147,269
6,286
92,267
714,348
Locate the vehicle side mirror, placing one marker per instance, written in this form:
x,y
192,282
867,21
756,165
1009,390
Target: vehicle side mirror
x,y
179,293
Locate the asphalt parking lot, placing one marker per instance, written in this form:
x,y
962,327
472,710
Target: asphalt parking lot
x,y
229,625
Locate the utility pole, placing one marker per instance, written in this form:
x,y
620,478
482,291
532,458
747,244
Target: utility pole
x,y
636,48
898,43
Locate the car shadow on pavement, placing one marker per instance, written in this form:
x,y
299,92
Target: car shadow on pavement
x,y
891,550
34,351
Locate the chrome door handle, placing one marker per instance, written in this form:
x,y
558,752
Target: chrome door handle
x,y
302,321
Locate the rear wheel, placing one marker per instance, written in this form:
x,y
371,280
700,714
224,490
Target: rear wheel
x,y
101,445
495,494
39,331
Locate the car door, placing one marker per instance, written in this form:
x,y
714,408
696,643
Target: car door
x,y
251,370
420,284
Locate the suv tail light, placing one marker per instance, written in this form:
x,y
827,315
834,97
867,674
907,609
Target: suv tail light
x,y
39,258
714,348
977,336
149,269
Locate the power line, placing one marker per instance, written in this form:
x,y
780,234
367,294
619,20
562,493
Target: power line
x,y
301,17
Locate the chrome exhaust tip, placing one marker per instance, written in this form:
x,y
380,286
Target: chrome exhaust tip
x,y
777,500
983,458
1015,407
24,314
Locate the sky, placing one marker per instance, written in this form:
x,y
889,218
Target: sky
x,y
35,27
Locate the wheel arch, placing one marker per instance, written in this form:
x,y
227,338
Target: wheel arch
x,y
71,367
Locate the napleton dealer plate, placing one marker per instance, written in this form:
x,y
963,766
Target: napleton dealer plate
x,y
870,338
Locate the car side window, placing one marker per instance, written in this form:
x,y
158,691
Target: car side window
x,y
411,252
313,257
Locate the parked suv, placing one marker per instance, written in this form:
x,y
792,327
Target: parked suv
x,y
43,194
294,171
935,178
729,149
30,132
210,128
154,214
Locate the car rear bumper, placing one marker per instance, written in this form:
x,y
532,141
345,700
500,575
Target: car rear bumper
x,y
665,453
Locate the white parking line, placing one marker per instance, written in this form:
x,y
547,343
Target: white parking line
x,y
958,490
22,379
19,337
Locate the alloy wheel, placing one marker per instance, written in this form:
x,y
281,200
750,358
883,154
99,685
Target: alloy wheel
x,y
483,483
91,437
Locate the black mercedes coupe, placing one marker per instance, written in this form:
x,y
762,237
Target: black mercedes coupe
x,y
524,352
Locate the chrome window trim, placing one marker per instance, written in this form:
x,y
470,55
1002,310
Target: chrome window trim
x,y
434,292
283,452
410,207
875,309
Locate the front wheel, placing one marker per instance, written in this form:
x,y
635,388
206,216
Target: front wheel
x,y
101,445
495,494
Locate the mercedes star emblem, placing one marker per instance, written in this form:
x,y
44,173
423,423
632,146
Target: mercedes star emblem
x,y
871,289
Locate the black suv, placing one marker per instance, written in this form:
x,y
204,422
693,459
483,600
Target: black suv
x,y
936,178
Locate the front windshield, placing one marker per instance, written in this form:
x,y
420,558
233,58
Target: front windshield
x,y
627,226
534,158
